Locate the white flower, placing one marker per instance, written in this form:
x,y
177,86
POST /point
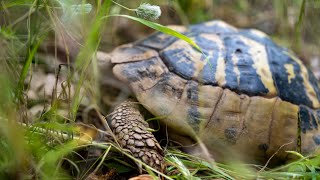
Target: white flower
x,y
148,11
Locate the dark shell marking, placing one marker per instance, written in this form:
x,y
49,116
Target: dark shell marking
x,y
309,119
249,82
316,139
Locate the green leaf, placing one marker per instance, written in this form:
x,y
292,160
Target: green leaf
x,y
296,153
297,167
26,67
160,28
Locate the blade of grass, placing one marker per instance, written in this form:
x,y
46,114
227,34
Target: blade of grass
x,y
34,40
84,58
52,157
102,159
298,25
26,66
13,3
200,163
160,28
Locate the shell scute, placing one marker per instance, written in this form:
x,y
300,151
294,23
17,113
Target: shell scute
x,y
130,53
215,27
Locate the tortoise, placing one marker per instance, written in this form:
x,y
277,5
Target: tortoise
x,y
244,96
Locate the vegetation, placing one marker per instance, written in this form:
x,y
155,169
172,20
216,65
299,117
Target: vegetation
x,y
41,136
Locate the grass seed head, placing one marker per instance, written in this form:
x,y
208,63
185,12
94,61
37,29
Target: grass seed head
x,y
148,11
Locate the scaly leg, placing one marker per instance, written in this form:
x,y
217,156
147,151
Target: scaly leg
x,y
130,129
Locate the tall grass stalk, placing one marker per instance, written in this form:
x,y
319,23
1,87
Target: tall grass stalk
x,y
87,53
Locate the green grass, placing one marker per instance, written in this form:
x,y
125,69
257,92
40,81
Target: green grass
x,y
161,28
49,146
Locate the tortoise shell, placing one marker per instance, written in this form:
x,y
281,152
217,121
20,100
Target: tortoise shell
x,y
244,91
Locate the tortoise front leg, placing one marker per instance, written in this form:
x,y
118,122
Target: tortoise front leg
x,y
130,129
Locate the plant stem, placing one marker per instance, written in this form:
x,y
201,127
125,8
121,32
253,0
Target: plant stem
x,y
124,6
